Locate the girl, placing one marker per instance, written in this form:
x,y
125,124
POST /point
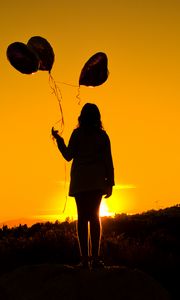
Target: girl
x,y
92,176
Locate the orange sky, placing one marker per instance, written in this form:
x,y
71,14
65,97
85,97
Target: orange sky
x,y
139,103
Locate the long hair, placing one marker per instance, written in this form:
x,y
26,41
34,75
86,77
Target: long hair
x,y
90,117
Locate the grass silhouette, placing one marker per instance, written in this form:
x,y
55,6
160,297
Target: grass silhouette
x,y
149,242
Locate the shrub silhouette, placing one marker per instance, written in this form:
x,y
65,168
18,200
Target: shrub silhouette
x,y
149,241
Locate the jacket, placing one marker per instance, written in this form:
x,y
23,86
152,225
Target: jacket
x,y
92,166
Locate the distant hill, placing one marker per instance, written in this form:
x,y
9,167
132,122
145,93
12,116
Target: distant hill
x,y
22,221
174,210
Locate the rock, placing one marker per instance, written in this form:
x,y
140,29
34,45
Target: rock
x,y
52,282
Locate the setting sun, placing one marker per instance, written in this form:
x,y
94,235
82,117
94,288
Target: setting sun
x,y
71,212
104,209
64,207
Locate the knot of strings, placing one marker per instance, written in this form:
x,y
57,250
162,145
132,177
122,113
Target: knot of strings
x,y
57,92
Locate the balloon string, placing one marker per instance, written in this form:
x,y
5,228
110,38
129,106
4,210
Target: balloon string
x,y
56,91
78,95
65,181
76,86
73,85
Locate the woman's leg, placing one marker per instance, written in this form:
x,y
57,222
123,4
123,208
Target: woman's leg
x,y
95,224
88,205
82,226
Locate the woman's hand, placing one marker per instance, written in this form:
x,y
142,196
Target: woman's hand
x,y
108,191
55,133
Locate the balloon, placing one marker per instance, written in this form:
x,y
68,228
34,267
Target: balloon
x,y
22,58
44,51
95,71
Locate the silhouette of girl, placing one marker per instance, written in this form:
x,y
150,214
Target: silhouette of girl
x,y
92,176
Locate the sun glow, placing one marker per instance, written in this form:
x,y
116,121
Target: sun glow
x,y
104,209
117,203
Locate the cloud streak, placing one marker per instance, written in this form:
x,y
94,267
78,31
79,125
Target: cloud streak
x,y
124,186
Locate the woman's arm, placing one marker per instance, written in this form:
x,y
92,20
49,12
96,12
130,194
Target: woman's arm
x,y
109,167
66,151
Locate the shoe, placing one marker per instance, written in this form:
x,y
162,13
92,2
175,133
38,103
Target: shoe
x,y
84,264
97,263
